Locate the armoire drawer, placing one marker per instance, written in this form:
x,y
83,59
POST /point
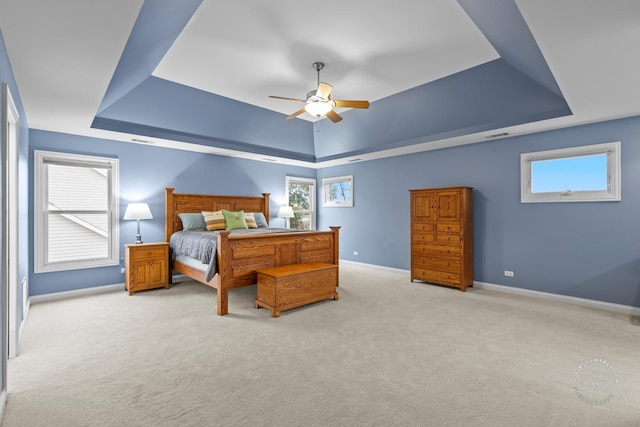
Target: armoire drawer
x,y
437,250
433,276
453,265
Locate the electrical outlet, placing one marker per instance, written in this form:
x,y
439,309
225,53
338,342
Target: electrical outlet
x,y
122,270
355,253
508,273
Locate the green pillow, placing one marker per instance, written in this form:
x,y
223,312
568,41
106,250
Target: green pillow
x,y
234,220
192,221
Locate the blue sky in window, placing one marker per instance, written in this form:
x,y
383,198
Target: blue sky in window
x,y
339,191
585,173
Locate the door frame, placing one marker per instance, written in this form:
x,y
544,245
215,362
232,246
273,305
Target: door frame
x,y
10,287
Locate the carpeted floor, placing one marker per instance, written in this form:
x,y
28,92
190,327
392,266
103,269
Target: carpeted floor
x,y
388,353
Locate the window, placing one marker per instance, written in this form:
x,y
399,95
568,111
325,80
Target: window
x,y
302,196
76,211
338,191
578,174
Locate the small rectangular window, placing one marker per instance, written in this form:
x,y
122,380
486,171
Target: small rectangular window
x,y
577,174
76,211
338,191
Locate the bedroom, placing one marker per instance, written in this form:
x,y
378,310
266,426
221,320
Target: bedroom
x,y
582,250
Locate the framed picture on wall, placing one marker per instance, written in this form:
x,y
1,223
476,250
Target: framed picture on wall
x,y
338,191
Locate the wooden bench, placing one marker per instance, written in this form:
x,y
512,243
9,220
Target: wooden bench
x,y
288,286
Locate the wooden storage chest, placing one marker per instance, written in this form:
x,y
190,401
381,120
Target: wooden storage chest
x,y
288,286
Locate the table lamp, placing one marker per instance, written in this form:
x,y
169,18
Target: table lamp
x,y
285,212
138,211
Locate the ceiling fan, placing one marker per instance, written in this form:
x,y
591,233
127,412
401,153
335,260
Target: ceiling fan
x,y
319,102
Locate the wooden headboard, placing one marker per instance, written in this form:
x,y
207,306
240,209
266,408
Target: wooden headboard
x,y
176,203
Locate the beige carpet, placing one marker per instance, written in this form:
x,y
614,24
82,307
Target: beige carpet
x,y
388,353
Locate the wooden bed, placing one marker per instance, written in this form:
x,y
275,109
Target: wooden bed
x,y
239,256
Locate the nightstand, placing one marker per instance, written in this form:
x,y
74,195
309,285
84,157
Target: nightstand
x,y
146,266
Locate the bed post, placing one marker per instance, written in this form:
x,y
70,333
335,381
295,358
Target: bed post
x,y
168,213
336,250
220,279
265,209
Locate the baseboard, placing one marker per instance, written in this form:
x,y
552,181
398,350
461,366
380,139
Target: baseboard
x,y
3,402
76,293
378,267
25,314
86,291
602,305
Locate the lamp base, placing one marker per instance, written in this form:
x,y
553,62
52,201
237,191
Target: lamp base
x,y
138,239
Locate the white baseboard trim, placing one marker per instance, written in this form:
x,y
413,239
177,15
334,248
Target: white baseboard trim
x,y
35,299
3,402
25,314
602,305
378,267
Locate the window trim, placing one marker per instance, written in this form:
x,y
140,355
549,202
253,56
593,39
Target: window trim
x,y
39,213
612,194
313,211
326,192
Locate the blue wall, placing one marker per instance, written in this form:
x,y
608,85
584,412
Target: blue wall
x,y
588,250
145,171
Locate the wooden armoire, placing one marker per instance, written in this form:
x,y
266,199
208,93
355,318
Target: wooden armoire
x,y
442,236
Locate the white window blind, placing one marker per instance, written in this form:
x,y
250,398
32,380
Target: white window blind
x,y
76,216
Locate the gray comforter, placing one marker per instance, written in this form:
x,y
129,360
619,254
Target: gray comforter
x,y
202,245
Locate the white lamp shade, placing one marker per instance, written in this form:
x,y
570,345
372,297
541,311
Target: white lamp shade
x,y
138,211
285,212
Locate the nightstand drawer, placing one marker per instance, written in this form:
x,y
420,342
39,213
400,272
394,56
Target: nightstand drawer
x,y
150,253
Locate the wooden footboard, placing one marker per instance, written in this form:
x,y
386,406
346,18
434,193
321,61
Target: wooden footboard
x,y
239,256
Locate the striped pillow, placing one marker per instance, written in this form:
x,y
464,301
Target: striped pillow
x,y
214,220
250,220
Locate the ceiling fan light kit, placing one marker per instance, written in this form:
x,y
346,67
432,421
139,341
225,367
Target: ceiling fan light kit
x,y
318,108
319,103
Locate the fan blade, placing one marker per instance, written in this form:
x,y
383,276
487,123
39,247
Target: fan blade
x,y
351,104
333,116
288,99
324,90
296,114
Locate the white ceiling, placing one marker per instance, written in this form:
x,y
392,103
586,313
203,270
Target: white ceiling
x,y
367,55
64,53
